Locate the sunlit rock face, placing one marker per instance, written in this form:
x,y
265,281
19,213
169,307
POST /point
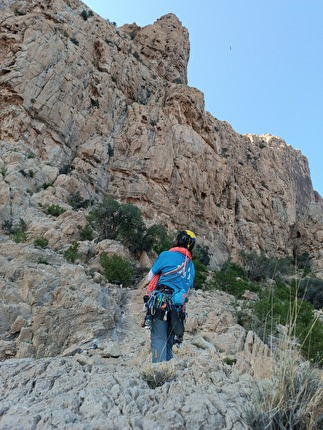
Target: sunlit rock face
x,y
111,110
88,110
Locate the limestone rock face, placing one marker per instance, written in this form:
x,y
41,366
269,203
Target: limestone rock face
x,y
87,107
165,45
50,304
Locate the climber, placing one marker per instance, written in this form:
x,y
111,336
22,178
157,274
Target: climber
x,y
170,278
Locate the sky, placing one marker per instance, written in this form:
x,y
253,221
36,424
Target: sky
x,y
259,63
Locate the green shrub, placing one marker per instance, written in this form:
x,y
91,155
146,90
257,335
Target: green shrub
x,y
201,253
312,291
230,361
258,267
84,15
117,269
77,201
110,150
55,210
303,262
18,233
105,218
231,280
157,238
71,253
41,242
20,236
124,222
41,260
201,274
46,185
86,232
67,168
7,226
131,229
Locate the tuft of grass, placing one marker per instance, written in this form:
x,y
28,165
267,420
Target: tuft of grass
x,y
158,374
17,232
41,260
20,236
291,398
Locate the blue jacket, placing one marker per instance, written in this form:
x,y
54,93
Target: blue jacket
x,y
180,280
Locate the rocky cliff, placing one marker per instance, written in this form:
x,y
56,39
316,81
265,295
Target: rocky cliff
x,y
89,108
106,110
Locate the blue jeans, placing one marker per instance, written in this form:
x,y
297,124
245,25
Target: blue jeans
x,y
161,341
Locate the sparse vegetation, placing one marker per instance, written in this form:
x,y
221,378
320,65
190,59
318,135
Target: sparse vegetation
x,y
17,232
259,267
42,260
55,210
231,279
71,253
230,361
19,12
86,232
29,174
20,235
201,274
46,185
157,238
41,242
278,304
65,170
78,202
291,398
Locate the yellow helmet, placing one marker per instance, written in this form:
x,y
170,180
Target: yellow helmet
x,y
186,239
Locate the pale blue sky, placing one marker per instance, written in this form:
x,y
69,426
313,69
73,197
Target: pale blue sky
x,y
259,63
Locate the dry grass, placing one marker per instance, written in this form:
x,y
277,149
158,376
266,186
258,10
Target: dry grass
x,y
156,374
293,397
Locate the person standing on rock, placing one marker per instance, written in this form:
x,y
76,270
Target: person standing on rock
x,y
170,278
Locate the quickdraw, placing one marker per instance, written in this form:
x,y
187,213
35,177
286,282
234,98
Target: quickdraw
x,y
158,300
